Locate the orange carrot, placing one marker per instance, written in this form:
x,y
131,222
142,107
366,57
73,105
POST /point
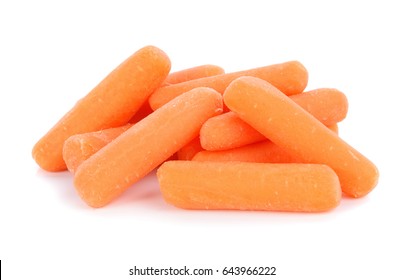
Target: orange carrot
x,y
193,73
228,131
334,128
140,149
265,152
79,147
189,150
328,105
111,103
249,186
292,128
179,77
290,77
143,112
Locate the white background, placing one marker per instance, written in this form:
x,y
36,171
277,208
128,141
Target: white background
x,y
52,53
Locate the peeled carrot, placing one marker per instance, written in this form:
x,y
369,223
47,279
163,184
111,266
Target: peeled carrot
x,y
328,105
111,103
249,186
290,77
143,112
334,128
140,149
193,73
276,116
228,131
264,151
179,77
190,150
79,147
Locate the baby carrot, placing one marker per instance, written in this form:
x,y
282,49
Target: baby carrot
x,y
264,151
328,105
79,147
228,131
193,73
140,149
290,77
249,186
189,150
143,112
292,128
334,128
111,103
179,77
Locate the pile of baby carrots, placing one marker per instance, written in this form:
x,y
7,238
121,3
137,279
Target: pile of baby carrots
x,y
248,140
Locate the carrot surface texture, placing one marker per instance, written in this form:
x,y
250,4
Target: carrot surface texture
x,y
193,73
228,131
281,120
264,151
109,172
79,147
111,103
190,150
290,77
249,186
180,76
